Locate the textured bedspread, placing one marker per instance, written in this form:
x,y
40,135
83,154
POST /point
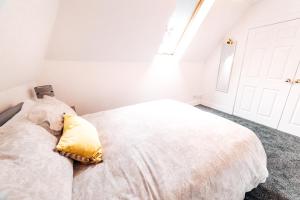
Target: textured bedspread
x,y
29,168
169,150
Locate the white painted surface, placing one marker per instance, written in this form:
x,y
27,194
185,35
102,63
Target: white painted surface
x,y
272,56
15,95
24,30
109,30
124,43
223,15
95,86
132,30
290,121
111,52
262,13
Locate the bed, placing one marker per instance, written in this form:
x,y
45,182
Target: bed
x,y
170,150
157,150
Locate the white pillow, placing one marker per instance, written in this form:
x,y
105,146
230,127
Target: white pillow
x,y
49,111
27,105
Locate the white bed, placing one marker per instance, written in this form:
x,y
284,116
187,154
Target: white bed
x,y
170,150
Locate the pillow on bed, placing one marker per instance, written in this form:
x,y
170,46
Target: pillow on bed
x,y
49,112
26,106
80,140
30,169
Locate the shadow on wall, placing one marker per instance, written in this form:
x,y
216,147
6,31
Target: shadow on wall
x,y
2,3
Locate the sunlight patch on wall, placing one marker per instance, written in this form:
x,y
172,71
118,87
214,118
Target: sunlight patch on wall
x,y
163,77
164,69
162,65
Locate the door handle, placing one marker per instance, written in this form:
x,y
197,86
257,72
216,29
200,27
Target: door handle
x,y
297,81
290,80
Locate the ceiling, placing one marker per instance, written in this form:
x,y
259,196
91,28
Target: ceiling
x,y
222,17
109,30
132,30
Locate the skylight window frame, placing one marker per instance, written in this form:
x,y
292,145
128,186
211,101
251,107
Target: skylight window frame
x,y
189,22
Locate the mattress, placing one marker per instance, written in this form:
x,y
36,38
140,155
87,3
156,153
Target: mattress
x,y
170,150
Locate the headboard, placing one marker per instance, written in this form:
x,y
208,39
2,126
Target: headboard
x,y
9,113
13,96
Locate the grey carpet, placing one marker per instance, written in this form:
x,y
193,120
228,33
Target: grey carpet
x,y
283,152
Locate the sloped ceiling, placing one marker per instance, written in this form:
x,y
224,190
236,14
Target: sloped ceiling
x,y
25,27
223,16
132,30
109,30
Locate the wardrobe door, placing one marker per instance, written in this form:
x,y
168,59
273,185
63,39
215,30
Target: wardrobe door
x,y
271,59
290,121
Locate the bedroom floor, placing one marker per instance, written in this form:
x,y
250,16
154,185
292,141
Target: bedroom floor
x,y
283,152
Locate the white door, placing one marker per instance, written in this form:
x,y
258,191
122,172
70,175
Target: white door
x,y
271,57
290,121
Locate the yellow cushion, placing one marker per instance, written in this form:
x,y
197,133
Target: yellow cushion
x,y
80,140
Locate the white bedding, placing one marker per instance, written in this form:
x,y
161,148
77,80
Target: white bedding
x,y
169,150
29,168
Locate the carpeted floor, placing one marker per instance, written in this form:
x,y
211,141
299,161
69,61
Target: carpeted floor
x,y
283,152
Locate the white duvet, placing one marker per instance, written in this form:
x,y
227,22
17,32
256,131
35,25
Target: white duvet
x,y
170,150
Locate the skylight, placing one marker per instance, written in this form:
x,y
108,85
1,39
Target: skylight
x,y
182,27
177,24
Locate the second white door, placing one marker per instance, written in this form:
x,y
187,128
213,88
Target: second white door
x,y
290,121
271,59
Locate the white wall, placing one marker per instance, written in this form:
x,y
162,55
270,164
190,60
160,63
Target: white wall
x,y
95,86
15,95
101,53
262,13
25,27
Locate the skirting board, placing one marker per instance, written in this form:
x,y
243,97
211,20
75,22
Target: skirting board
x,y
223,108
194,102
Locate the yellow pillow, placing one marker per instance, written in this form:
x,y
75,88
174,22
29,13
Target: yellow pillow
x,y
80,140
